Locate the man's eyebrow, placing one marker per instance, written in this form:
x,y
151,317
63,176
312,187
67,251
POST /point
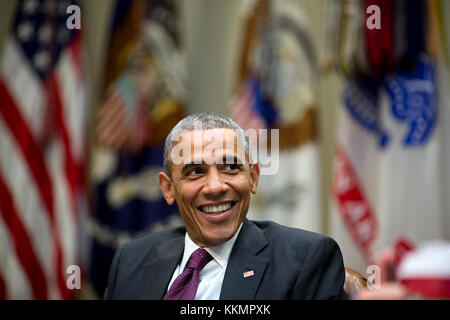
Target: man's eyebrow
x,y
225,160
189,165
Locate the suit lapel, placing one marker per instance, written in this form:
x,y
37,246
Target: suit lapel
x,y
159,270
243,259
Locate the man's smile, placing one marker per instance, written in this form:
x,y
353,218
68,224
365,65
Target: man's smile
x,y
217,212
217,208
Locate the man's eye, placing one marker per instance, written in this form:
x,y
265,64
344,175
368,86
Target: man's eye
x,y
231,167
194,172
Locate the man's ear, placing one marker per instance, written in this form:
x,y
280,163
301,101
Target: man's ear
x,y
254,176
165,183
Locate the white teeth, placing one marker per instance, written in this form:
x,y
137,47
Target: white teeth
x,y
216,209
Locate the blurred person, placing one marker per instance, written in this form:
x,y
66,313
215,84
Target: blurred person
x,y
390,289
220,254
422,273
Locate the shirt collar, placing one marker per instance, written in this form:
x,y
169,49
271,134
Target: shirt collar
x,y
220,253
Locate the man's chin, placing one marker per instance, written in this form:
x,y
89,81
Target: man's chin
x,y
217,238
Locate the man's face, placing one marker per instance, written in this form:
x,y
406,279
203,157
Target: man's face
x,y
211,184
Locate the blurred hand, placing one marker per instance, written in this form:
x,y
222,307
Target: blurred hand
x,y
388,291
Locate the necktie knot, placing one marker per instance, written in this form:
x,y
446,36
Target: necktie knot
x,y
185,285
199,258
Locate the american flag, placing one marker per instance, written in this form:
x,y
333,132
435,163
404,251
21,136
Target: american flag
x,y
122,120
42,118
244,108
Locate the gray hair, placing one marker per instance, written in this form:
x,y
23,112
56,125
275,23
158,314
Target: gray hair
x,y
207,121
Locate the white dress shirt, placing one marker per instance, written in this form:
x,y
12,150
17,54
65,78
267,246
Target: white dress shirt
x,y
212,274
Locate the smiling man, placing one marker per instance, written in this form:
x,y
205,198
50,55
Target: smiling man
x,y
219,254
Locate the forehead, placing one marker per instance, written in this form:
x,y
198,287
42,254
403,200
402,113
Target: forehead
x,y
211,144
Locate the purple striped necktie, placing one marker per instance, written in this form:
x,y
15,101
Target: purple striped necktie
x,y
185,285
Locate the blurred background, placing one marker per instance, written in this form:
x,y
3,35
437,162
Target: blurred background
x,y
90,89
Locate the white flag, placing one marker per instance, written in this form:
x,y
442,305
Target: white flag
x,y
277,92
390,138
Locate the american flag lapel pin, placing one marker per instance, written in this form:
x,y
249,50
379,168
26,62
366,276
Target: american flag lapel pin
x,y
250,273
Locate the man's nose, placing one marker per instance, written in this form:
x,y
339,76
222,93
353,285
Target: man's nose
x,y
214,183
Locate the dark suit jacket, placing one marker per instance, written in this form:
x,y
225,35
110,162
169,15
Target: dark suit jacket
x,y
288,263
